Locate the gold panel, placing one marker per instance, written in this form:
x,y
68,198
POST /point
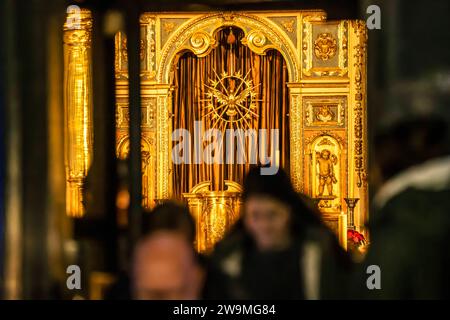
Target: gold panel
x,y
289,24
325,46
325,111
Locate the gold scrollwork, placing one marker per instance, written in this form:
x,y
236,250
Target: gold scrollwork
x,y
256,38
359,55
148,46
307,61
246,21
202,43
295,122
288,25
325,46
322,113
169,27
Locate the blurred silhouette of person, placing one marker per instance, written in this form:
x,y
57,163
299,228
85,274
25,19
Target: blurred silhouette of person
x,y
173,225
279,249
410,221
165,267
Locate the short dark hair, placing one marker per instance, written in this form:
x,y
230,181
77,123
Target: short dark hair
x,y
172,216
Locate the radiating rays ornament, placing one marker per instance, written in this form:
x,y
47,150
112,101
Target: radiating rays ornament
x,y
231,101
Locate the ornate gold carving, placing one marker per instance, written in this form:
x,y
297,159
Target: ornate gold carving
x,y
202,43
235,95
122,115
212,22
148,106
306,47
359,64
343,47
325,46
169,27
163,145
256,38
77,107
214,212
148,114
148,46
315,16
325,133
325,113
296,143
120,56
288,25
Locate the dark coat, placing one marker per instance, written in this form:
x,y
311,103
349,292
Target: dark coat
x,y
410,236
314,267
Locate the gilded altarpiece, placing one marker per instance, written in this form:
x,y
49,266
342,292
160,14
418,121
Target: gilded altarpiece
x,y
326,65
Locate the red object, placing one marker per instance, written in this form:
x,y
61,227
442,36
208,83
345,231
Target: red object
x,y
356,237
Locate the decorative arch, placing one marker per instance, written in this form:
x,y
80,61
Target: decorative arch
x,y
198,35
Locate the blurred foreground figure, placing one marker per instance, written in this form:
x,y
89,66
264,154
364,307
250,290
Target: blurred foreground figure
x,y
165,267
410,226
278,250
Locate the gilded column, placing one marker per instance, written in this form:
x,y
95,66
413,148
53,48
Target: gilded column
x,y
295,123
358,188
164,123
78,119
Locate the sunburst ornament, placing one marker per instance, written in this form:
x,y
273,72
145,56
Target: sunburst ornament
x,y
231,101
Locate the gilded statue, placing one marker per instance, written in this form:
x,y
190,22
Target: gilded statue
x,y
326,161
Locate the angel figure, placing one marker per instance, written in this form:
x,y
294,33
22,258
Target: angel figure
x,y
326,162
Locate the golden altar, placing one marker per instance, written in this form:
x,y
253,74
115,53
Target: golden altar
x,y
324,124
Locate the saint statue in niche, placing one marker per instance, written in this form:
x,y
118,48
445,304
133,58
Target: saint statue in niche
x,y
325,162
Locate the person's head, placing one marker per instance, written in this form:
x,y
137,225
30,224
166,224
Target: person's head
x,y
165,267
170,216
273,211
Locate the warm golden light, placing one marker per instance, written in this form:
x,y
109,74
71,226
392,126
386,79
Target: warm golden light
x,y
77,106
342,225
